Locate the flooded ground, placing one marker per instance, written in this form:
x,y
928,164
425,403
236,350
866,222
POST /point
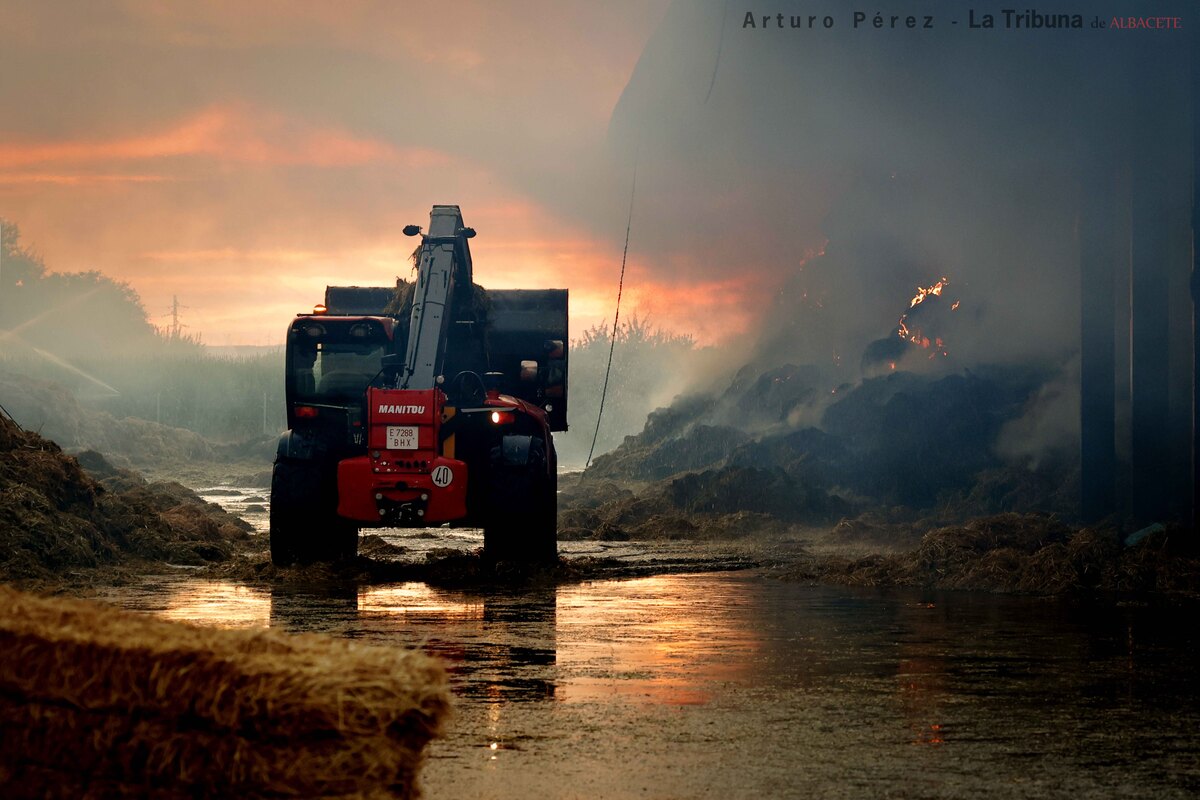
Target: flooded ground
x,y
705,679
733,684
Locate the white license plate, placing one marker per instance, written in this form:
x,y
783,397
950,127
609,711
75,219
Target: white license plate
x,y
401,437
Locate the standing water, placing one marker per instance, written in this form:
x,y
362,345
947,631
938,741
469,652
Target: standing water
x,y
736,685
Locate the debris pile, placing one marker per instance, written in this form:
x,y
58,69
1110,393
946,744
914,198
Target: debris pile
x,y
1029,553
96,701
54,516
728,501
779,448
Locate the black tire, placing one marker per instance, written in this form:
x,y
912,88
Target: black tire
x,y
521,524
521,521
305,526
522,515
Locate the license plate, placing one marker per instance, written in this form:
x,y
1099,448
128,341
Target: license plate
x,y
401,437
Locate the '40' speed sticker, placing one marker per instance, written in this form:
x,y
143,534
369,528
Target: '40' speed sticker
x,y
443,476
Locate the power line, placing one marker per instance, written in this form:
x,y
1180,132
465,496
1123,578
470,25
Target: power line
x,y
616,318
720,45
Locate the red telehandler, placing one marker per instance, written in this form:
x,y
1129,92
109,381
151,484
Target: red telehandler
x,y
426,404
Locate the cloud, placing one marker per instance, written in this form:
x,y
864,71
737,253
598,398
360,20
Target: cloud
x,y
76,180
231,134
236,154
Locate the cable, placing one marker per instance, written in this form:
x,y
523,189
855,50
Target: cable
x,y
720,45
13,419
616,318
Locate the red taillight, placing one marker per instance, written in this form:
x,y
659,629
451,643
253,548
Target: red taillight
x,y
503,417
306,412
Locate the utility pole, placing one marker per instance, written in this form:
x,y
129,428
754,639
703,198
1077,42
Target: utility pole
x,y
1195,281
175,326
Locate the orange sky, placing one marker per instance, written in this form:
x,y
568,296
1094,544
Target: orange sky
x,y
242,156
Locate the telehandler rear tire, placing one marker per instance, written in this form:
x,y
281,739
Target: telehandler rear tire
x,y
522,519
305,526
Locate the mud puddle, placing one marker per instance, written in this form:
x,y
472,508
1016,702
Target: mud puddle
x,y
731,684
407,552
249,503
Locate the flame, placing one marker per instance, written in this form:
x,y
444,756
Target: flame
x,y
922,293
937,347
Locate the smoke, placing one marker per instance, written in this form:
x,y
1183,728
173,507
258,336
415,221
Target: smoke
x,y
835,171
1049,427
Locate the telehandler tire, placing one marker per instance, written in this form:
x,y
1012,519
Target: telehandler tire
x,y
305,527
522,515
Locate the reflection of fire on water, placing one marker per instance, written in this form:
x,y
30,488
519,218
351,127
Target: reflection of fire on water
x,y
921,673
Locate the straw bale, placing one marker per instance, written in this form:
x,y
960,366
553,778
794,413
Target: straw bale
x,y
578,518
666,526
35,782
131,698
950,549
579,493
161,753
99,658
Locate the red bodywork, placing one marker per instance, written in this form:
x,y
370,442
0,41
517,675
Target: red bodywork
x,y
412,483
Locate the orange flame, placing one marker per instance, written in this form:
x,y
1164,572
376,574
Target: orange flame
x,y
935,290
915,336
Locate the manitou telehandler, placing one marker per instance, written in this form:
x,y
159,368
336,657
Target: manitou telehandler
x,y
427,404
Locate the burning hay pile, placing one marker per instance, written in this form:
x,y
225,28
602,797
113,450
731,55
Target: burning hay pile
x,y
99,702
54,516
913,446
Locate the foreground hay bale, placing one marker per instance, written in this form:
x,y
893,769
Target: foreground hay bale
x,y
99,702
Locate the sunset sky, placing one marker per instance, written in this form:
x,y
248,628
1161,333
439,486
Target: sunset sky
x,y
243,155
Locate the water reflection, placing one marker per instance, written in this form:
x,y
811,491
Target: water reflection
x,y
220,603
664,639
684,639
948,694
418,600
499,646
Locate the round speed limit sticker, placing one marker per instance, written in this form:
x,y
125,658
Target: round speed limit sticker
x,y
443,476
